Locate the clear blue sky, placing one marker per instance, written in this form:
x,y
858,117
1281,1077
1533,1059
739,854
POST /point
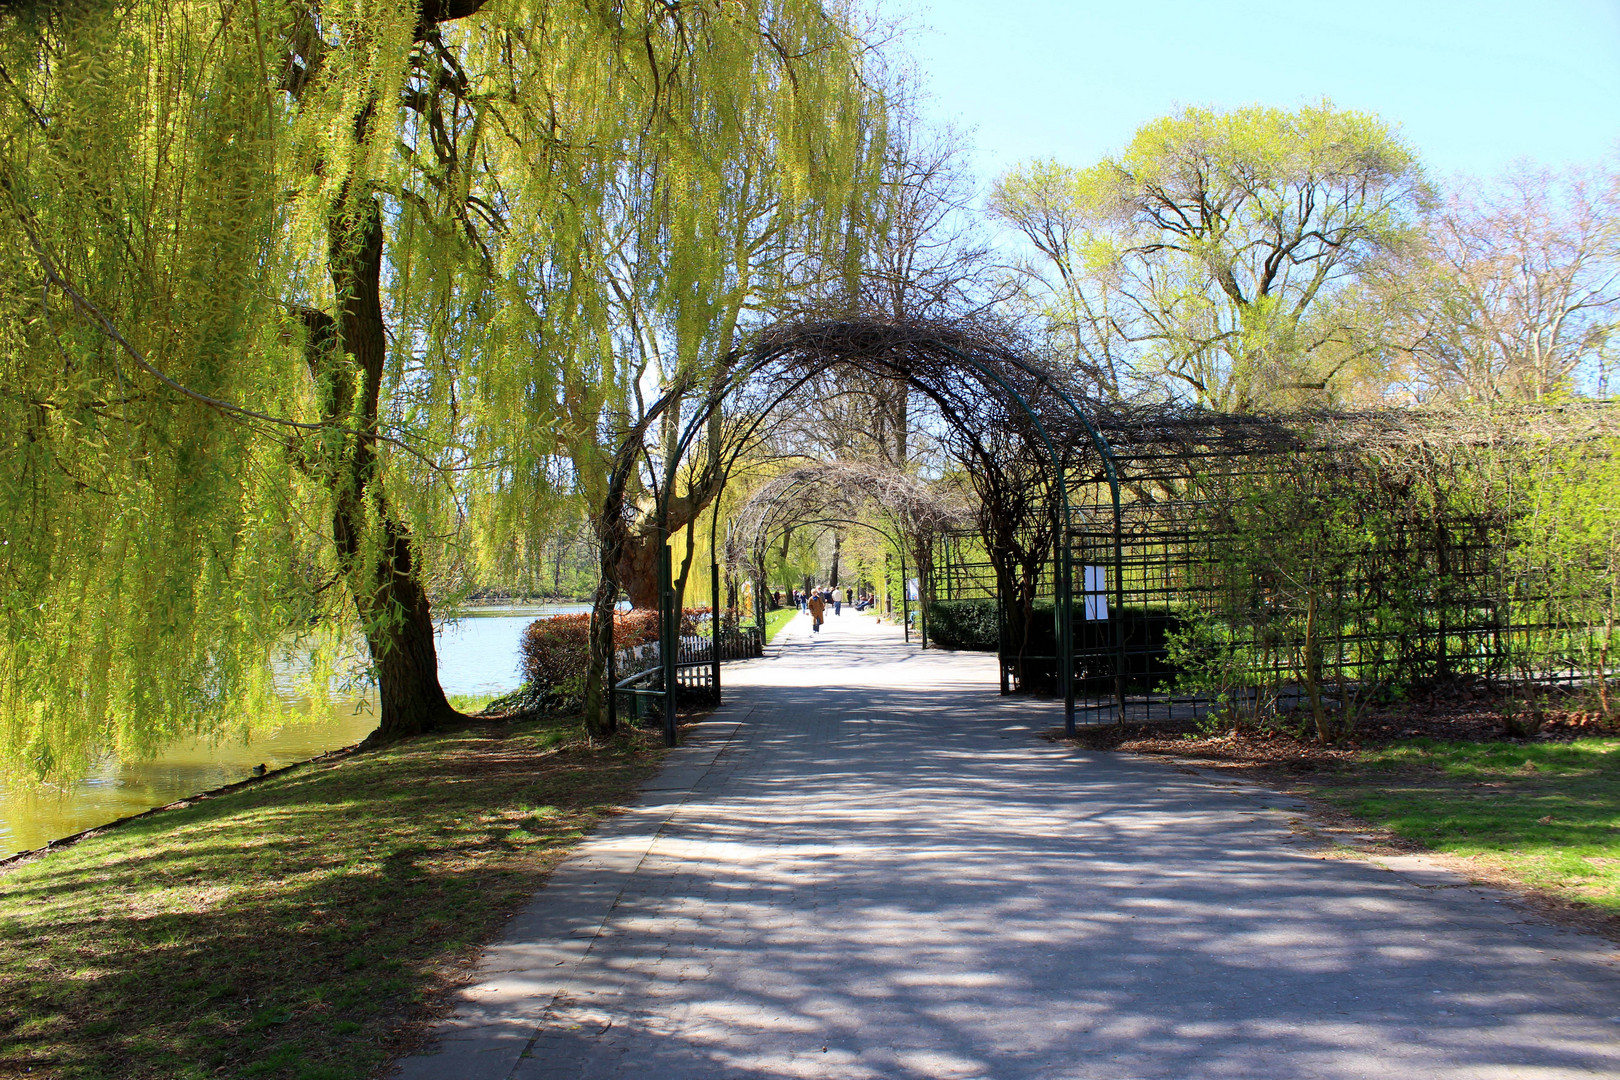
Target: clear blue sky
x,y
1472,85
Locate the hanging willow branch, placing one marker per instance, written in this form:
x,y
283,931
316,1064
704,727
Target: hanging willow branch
x,y
54,277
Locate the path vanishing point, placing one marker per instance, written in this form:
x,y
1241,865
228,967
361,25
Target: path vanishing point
x,y
867,864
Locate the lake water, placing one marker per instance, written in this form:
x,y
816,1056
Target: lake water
x,y
478,654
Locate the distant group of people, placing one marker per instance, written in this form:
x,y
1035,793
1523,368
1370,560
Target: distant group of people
x,y
816,600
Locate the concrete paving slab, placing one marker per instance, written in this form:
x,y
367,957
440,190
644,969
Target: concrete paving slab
x,y
868,864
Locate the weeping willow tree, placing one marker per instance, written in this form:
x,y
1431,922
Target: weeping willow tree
x,y
313,310
650,184
154,552
199,373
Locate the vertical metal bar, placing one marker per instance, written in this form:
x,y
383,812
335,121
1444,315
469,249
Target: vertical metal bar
x,y
1064,609
905,596
612,671
1119,608
714,627
925,590
671,635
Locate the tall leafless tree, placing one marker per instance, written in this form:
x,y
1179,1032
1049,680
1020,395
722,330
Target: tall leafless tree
x,y
1515,296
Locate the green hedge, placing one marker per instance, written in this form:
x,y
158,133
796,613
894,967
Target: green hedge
x,y
972,624
963,624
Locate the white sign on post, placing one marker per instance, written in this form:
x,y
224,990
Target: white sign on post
x,y
1096,593
913,588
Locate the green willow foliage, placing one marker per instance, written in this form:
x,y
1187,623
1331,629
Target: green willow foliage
x,y
653,191
580,202
152,552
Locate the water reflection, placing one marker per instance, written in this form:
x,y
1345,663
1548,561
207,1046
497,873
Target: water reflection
x,y
478,654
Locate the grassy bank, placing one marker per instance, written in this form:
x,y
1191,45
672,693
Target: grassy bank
x,y
302,927
776,620
1546,815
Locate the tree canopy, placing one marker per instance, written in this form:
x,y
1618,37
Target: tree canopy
x,y
1210,256
315,306
320,314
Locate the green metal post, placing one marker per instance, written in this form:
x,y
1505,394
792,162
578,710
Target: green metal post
x,y
714,627
905,596
1119,610
925,589
670,649
1065,604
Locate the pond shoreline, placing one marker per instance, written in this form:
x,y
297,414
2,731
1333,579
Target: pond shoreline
x,y
21,858
315,922
477,657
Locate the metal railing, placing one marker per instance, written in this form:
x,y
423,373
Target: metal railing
x,y
639,672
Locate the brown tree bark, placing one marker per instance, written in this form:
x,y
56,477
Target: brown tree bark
x,y
610,533
384,577
345,354
637,569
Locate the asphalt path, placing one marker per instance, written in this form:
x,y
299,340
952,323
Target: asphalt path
x,y
868,864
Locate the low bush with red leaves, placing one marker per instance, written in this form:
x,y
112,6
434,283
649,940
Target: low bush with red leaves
x,y
555,651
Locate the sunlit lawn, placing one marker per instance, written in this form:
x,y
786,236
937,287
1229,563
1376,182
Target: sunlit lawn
x,y
291,929
776,620
1547,814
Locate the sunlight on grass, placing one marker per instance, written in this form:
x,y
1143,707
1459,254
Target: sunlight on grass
x,y
776,620
289,929
470,703
1545,813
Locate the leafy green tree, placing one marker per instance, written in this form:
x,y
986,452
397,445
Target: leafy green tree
x,y
636,250
314,307
1211,258
154,551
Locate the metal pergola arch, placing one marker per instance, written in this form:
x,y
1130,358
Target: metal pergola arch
x,y
869,480
879,348
892,538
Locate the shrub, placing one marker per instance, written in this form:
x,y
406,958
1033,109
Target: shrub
x,y
555,651
964,624
1147,633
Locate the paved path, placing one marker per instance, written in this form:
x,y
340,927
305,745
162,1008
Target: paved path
x,y
870,865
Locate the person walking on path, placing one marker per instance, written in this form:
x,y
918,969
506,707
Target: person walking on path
x,y
838,602
818,608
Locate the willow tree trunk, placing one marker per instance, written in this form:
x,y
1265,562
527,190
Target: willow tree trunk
x,y
599,721
612,538
637,569
383,573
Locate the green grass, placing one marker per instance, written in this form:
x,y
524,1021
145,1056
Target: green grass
x,y
1546,814
292,929
775,620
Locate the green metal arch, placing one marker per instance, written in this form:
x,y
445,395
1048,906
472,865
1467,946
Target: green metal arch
x,y
669,618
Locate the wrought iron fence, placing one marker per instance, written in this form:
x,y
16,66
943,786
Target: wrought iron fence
x,y
639,672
